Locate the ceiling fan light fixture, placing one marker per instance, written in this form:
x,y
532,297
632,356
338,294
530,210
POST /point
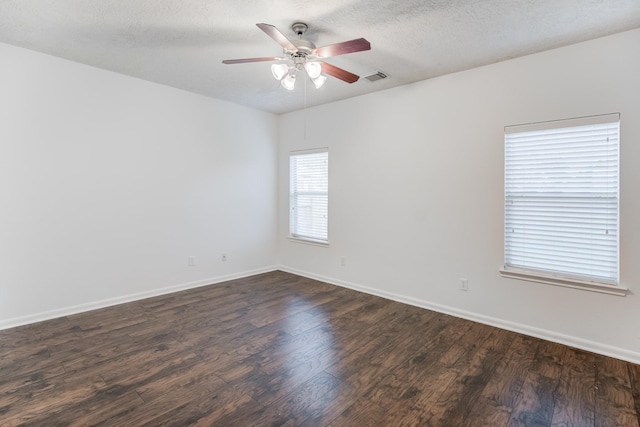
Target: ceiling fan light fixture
x,y
319,81
279,71
289,82
313,69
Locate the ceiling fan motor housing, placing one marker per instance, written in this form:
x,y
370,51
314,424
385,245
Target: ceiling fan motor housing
x,y
304,46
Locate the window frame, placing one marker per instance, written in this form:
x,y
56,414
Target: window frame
x,y
294,194
564,278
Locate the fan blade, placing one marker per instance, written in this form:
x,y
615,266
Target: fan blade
x,y
280,38
244,60
339,73
357,45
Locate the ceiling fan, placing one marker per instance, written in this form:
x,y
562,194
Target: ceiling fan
x,y
301,55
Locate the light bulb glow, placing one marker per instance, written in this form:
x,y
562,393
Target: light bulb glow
x,y
313,69
319,81
289,82
279,70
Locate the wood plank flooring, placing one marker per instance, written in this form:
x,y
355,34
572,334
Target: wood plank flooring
x,y
281,350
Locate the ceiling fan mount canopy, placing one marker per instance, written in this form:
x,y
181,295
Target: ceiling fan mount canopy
x,y
303,54
299,28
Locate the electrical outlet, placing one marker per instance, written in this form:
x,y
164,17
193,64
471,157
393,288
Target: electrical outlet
x,y
343,262
464,284
191,261
224,257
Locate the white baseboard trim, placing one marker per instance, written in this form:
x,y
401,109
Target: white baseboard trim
x,y
592,346
66,311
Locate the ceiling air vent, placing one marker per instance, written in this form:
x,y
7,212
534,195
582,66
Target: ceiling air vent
x,y
377,76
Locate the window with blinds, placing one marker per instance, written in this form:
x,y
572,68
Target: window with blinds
x,y
562,198
309,195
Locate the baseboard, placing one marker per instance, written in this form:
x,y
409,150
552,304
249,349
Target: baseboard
x,y
587,345
570,341
66,311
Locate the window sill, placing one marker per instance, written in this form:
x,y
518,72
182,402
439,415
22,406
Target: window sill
x,y
565,282
307,241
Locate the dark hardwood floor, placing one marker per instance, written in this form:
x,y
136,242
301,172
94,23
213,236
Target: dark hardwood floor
x,y
278,349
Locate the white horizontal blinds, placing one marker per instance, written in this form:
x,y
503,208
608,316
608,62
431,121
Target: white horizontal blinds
x,y
309,194
561,198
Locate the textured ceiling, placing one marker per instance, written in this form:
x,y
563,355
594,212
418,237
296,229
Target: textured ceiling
x,y
182,43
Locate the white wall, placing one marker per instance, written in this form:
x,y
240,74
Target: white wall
x,y
416,190
108,184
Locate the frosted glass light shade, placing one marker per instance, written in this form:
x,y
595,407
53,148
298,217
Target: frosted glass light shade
x,y
279,70
319,81
313,69
288,82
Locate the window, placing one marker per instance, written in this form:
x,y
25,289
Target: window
x,y
309,195
561,202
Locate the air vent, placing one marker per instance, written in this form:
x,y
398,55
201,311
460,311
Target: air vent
x,y
377,76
